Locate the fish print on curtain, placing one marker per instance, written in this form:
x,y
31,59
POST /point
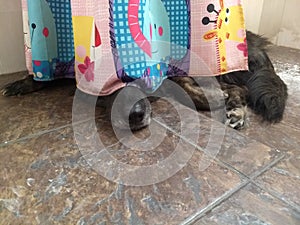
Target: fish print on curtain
x,y
48,38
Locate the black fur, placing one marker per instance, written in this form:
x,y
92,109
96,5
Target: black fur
x,y
267,93
260,88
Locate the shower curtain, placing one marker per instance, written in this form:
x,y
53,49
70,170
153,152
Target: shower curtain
x,y
107,44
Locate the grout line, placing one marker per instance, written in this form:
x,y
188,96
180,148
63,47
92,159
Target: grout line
x,y
215,203
255,174
225,196
178,135
272,193
225,164
289,124
39,133
277,196
230,167
185,139
266,168
221,163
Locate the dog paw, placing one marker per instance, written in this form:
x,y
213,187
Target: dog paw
x,y
236,118
21,87
9,89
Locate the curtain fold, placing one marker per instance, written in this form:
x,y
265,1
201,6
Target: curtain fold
x,y
107,44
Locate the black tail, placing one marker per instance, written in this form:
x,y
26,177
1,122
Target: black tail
x,y
267,94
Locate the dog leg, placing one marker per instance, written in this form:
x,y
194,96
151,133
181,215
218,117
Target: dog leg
x,y
23,86
207,94
236,106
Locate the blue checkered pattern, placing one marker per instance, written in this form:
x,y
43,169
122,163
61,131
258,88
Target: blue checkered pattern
x,y
178,14
62,14
131,56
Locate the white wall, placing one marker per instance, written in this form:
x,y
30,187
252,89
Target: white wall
x,y
253,12
278,20
289,34
12,57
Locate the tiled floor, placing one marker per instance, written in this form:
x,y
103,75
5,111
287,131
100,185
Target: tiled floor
x,y
54,170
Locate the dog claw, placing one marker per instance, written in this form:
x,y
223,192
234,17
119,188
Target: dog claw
x,y
237,125
236,118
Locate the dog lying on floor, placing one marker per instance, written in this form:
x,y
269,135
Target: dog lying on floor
x,y
259,88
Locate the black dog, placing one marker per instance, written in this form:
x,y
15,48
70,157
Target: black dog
x,y
259,88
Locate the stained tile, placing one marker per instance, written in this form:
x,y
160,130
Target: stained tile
x,y
7,78
49,180
287,66
225,144
43,110
53,178
284,54
251,205
280,136
25,115
42,177
284,178
292,110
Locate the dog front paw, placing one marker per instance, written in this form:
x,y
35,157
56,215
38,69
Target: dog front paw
x,y
236,106
236,118
21,87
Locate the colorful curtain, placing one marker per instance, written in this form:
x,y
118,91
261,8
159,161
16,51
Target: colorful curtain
x,y
108,44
